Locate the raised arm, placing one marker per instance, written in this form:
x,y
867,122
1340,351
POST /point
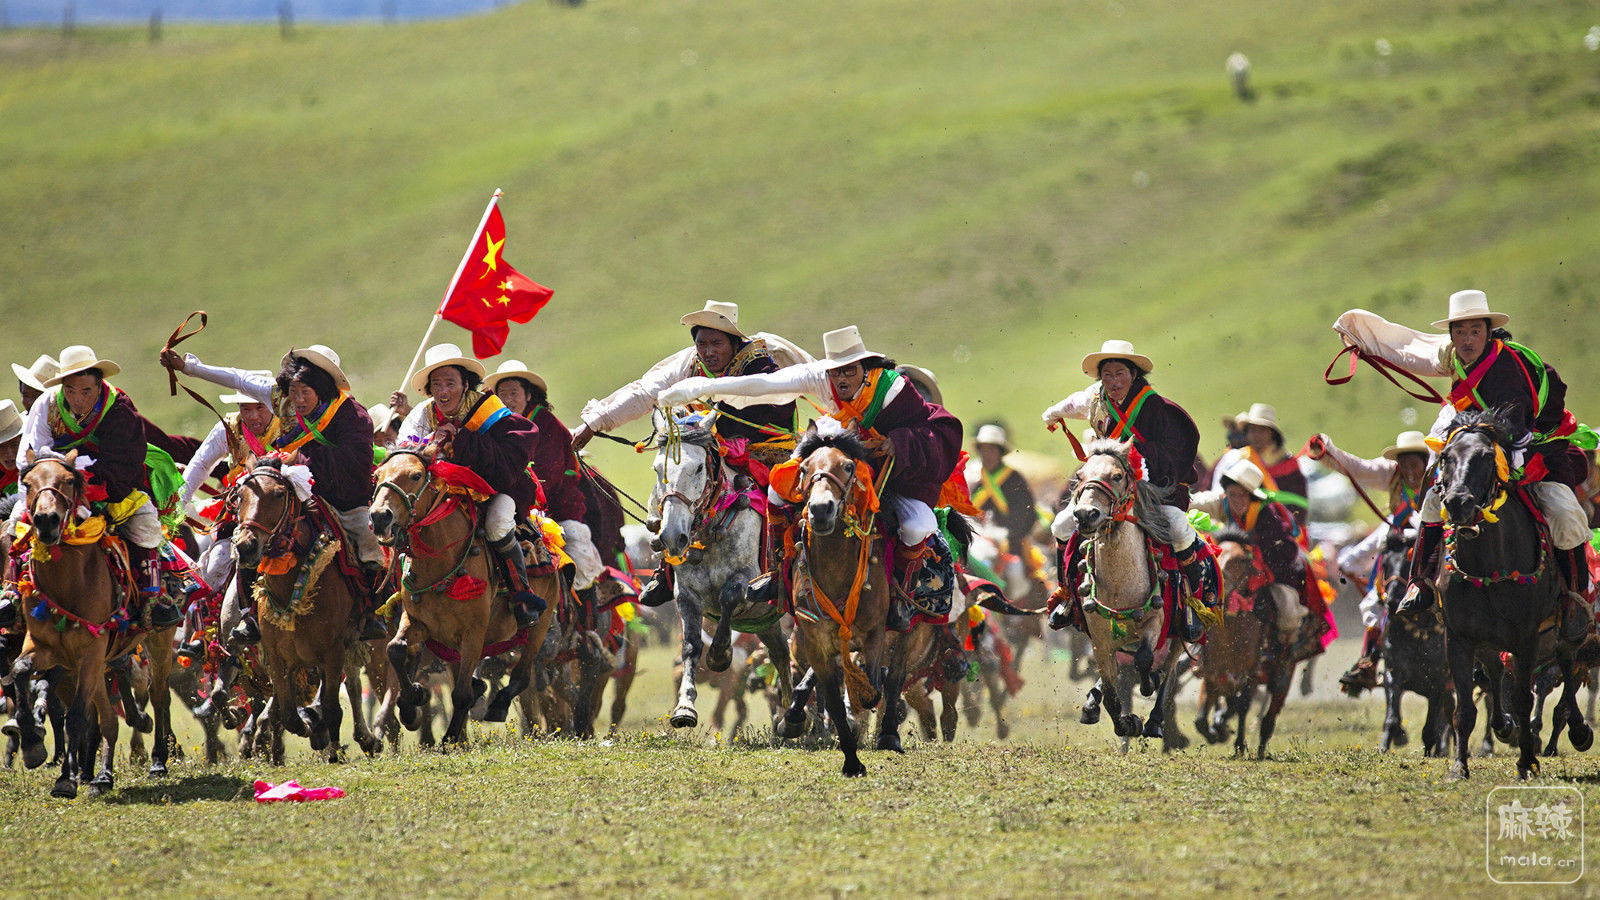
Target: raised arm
x,y
806,378
1371,473
212,450
1076,406
256,387
636,399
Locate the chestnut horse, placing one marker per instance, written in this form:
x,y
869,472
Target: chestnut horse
x,y
449,591
1228,667
841,571
304,610
71,580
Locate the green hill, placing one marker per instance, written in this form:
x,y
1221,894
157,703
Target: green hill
x,y
988,190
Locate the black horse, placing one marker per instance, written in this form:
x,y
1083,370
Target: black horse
x,y
1498,584
1414,659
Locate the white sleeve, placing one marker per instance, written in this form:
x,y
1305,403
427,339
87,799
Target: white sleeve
x,y
36,429
212,451
806,378
636,399
1358,557
1076,406
1212,503
412,430
1416,352
256,387
1371,473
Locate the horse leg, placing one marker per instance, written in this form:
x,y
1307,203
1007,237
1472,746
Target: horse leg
x,y
1091,703
517,681
410,697
918,700
28,733
1171,737
1522,711
684,715
949,710
720,654
778,657
792,723
161,702
1466,713
1277,691
1239,704
66,786
1579,734
997,702
833,699
889,720
1392,723
103,733
464,690
365,739
593,668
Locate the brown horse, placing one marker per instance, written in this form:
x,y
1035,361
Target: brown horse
x,y
72,583
449,591
304,610
937,662
1229,664
840,571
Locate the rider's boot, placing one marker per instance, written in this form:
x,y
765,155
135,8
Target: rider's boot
x,y
1064,607
146,563
10,595
658,590
246,632
1199,576
1363,676
907,566
526,606
1577,615
773,584
1424,568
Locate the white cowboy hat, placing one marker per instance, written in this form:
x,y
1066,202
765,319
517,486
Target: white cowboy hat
x,y
1247,475
1115,350
514,368
924,378
440,355
242,398
323,357
34,376
994,435
1471,305
722,317
10,421
1408,442
78,359
381,416
843,346
1261,414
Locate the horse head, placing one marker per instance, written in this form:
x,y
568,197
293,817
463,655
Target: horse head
x,y
55,490
265,500
401,480
1473,466
1236,561
1107,486
828,473
688,469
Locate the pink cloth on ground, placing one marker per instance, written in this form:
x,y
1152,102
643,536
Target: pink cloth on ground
x,y
267,792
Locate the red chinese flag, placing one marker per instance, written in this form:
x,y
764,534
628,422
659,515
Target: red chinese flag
x,y
490,293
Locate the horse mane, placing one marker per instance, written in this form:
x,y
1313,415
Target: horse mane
x,y
1235,534
1147,497
1496,422
696,436
845,442
49,453
961,532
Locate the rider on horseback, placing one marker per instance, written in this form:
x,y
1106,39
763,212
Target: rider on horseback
x,y
476,430
919,442
1242,503
1399,471
1122,406
324,424
80,410
721,350
1264,447
1488,371
555,466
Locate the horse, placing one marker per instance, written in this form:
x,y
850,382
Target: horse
x,y
1123,606
303,601
1229,663
1497,584
1414,659
838,571
710,532
939,663
449,590
73,629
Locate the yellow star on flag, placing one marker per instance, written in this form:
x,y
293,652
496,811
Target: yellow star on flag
x,y
491,259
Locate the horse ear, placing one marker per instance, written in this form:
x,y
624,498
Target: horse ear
x,y
31,456
811,426
429,452
71,459
250,461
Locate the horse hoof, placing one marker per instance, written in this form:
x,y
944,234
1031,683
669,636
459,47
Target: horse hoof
x,y
495,713
719,662
892,745
1090,715
1125,726
33,756
1001,729
783,728
139,721
65,789
371,747
854,769
1531,770
1581,737
158,770
685,717
1152,727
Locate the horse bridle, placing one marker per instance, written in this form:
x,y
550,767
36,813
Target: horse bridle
x,y
1121,502
700,507
1497,483
410,499
277,539
77,486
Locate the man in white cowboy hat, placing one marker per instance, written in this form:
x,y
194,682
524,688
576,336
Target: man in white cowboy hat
x,y
1264,446
385,425
1489,371
1241,503
722,349
10,442
475,429
80,410
331,431
1000,492
30,380
555,465
1399,470
861,389
1122,406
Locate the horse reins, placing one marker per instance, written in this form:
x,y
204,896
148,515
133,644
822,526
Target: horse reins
x,y
77,488
1122,502
278,540
700,508
408,544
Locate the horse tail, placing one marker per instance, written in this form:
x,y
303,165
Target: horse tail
x,y
958,528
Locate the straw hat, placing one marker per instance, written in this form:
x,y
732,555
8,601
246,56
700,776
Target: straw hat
x,y
1115,350
10,421
925,379
516,368
381,416
34,376
323,357
78,359
1261,414
843,346
1247,475
722,317
1408,442
994,435
1471,305
440,355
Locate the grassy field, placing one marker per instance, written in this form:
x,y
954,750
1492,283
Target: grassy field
x,y
1055,809
989,193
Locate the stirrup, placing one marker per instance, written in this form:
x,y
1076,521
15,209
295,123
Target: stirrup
x,y
164,613
766,588
1417,599
247,631
900,616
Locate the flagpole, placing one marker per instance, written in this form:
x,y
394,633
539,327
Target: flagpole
x,y
439,313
